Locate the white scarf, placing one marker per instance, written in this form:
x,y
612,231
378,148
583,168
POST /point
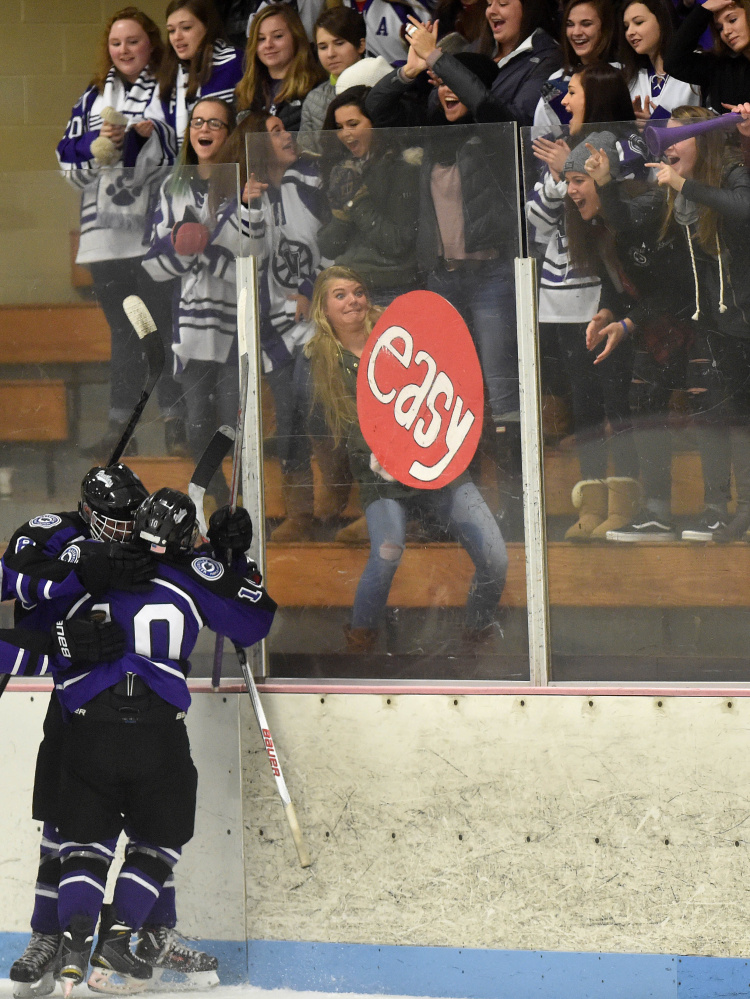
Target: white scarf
x,y
123,195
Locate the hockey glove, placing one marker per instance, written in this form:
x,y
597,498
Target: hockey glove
x,y
345,181
230,531
88,641
189,238
118,567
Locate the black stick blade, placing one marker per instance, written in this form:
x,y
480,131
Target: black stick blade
x,y
210,461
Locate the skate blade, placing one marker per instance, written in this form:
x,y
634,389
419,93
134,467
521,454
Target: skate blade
x,y
44,986
165,980
111,983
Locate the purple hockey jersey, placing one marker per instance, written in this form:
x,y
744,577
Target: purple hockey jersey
x,y
161,625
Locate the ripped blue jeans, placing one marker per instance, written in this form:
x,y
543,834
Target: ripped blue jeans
x,y
464,514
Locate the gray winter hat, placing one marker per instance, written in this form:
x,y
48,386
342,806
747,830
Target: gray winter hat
x,y
599,140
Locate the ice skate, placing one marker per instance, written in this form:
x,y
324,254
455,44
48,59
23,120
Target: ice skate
x,y
74,956
175,965
33,974
115,969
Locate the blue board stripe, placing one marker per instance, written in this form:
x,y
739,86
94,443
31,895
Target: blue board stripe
x,y
456,973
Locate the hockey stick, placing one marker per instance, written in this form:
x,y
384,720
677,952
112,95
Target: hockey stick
x,y
233,491
4,682
291,814
142,322
209,463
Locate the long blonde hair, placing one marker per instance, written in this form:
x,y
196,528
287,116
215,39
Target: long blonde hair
x,y
330,393
715,155
303,73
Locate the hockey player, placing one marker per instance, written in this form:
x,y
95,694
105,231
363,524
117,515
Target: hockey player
x,y
109,499
126,758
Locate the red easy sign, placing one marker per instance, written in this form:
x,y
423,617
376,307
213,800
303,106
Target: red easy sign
x,y
419,391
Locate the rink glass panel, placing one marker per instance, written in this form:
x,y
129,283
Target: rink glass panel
x,y
377,217
624,610
58,379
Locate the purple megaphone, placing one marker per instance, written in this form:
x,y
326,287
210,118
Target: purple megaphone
x,y
660,138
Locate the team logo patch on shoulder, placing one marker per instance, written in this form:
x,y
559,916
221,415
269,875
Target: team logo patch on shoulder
x,y
23,542
46,520
208,567
71,554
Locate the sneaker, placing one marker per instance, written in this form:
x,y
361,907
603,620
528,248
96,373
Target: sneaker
x,y
645,529
705,527
114,967
33,974
74,956
165,952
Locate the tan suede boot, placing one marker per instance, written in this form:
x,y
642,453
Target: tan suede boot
x,y
299,523
335,485
590,499
360,640
355,533
623,504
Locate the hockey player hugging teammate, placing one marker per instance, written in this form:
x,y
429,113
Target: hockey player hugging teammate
x,y
125,752
109,499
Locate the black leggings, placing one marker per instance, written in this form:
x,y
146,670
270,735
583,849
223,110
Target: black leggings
x,y
599,395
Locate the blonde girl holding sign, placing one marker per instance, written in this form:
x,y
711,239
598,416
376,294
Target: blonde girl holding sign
x,y
343,318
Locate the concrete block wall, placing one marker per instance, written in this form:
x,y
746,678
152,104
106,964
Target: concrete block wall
x,y
47,53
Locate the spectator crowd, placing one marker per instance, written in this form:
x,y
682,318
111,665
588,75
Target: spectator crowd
x,y
375,158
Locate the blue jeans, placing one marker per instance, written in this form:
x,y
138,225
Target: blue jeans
x,y
463,512
484,294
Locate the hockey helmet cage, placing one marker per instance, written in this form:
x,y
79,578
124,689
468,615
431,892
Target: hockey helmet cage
x,y
109,499
167,522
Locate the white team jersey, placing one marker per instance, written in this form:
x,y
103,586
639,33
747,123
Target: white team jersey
x,y
384,22
674,93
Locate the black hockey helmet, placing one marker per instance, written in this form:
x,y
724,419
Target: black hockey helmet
x,y
109,498
167,522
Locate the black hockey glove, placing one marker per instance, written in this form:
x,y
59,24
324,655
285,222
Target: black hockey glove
x,y
344,182
230,531
117,567
82,640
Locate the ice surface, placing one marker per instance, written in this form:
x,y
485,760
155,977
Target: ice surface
x,y
221,992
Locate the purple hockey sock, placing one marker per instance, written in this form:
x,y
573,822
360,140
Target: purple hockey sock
x,y
163,912
44,916
81,894
135,895
82,879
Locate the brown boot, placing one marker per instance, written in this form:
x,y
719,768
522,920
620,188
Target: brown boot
x,y
360,640
299,524
355,533
590,499
335,484
623,504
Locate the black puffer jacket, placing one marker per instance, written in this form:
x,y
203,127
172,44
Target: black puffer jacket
x,y
486,164
518,85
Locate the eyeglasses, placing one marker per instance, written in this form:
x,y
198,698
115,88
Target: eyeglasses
x,y
213,123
